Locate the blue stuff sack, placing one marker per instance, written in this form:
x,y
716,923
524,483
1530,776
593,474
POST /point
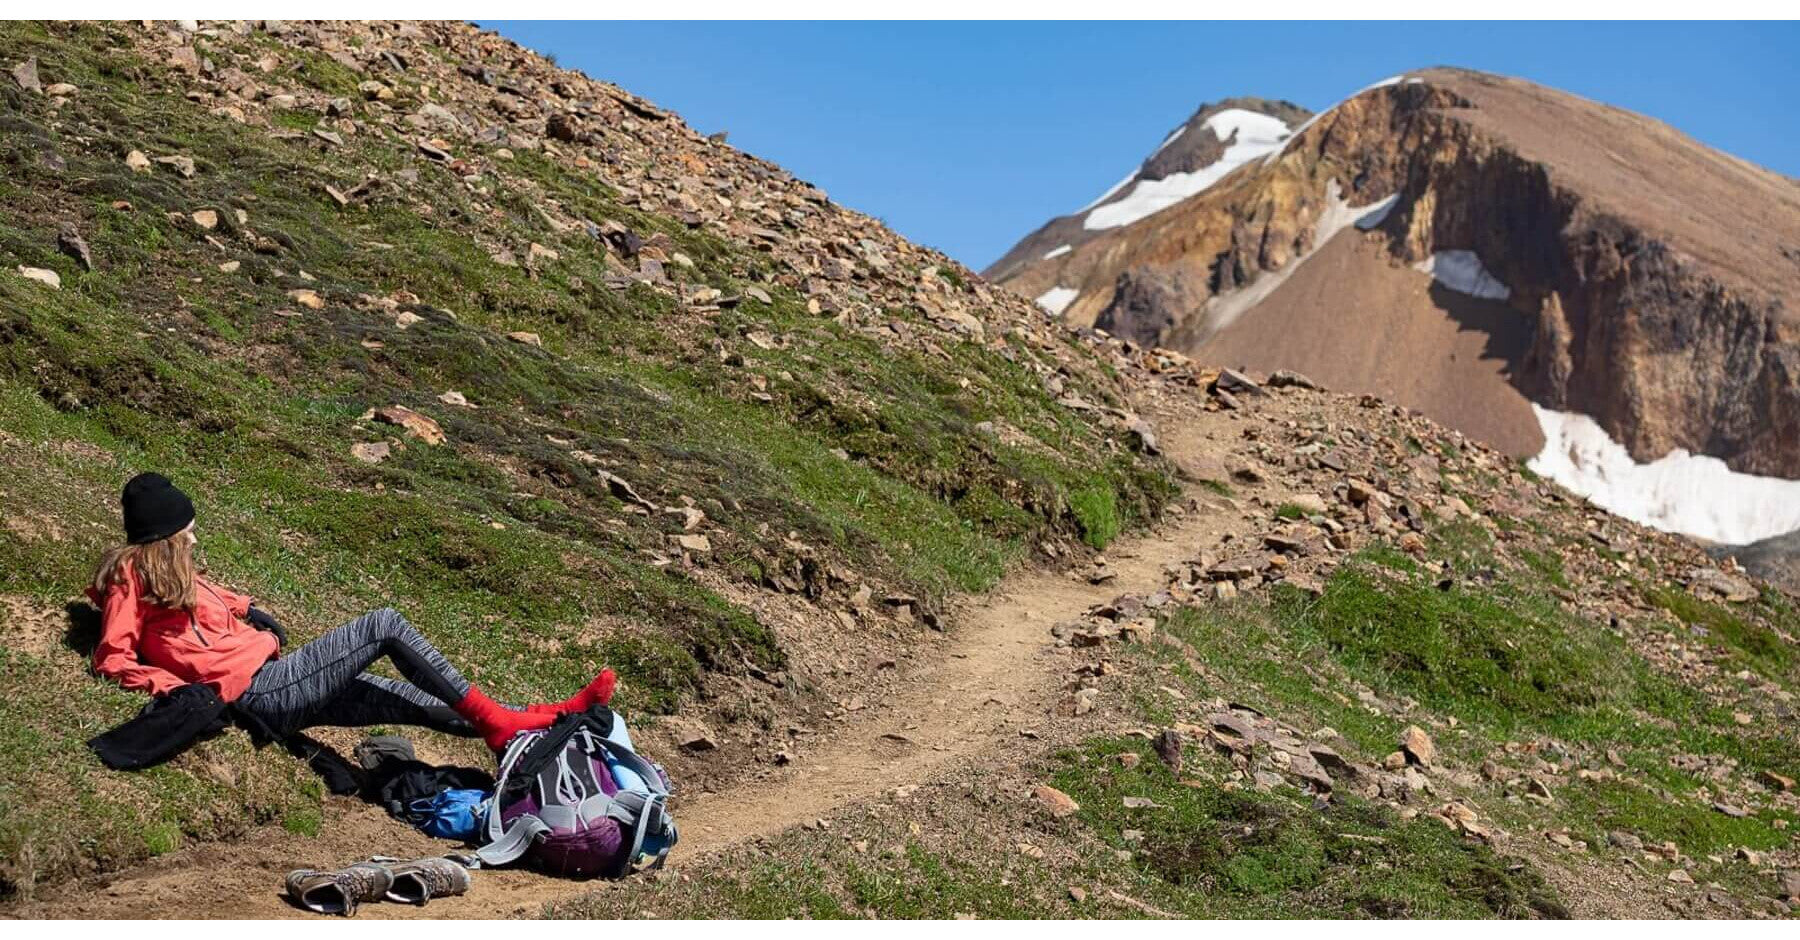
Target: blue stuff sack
x,y
451,814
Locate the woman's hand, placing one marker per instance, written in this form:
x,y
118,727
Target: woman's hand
x,y
261,620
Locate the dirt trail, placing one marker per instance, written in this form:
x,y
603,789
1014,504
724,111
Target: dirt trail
x,y
992,677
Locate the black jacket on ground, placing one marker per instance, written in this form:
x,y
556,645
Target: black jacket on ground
x,y
162,729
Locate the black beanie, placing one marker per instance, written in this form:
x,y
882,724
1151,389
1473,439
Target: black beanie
x,y
154,509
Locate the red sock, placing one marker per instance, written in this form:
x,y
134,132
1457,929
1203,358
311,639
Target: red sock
x,y
597,692
495,722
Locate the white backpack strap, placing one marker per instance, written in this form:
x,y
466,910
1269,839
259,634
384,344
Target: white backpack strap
x,y
513,842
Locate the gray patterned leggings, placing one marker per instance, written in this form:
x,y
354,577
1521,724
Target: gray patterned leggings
x,y
323,682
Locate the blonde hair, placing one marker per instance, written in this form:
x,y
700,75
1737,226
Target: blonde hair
x,y
165,570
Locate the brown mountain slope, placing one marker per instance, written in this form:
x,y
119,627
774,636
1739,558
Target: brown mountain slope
x,y
1653,279
1357,343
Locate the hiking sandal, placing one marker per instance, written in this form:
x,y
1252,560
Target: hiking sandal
x,y
339,892
422,879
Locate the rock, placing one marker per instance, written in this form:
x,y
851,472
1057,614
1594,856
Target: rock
x,y
692,735
1735,812
696,543
564,127
1775,781
1620,839
1331,761
529,339
1412,543
370,453
1359,491
623,490
1059,804
1790,885
438,116
1266,780
70,242
1417,746
309,299
1077,894
1284,378
206,219
1237,383
415,424
692,517
137,162
26,74
1143,436
43,276
1246,473
182,165
1168,749
1238,569
1139,802
1310,503
1681,877
1285,544
1232,725
1733,589
455,398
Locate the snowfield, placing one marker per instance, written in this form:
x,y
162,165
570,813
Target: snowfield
x,y
1057,299
1461,270
1058,251
1692,494
1256,135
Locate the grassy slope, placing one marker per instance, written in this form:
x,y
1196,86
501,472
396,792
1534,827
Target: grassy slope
x,y
502,542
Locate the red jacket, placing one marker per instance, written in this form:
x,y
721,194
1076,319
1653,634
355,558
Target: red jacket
x,y
151,648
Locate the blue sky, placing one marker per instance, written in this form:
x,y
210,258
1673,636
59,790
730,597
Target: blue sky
x,y
966,136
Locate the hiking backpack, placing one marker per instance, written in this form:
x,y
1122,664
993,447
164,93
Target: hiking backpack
x,y
575,800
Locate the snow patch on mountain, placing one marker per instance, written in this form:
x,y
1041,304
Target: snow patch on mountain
x,y
1461,270
1256,135
1058,251
1057,299
1691,494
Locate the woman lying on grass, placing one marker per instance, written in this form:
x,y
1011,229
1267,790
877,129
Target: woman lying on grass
x,y
164,626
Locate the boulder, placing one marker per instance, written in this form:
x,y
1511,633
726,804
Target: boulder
x,y
1417,746
1059,804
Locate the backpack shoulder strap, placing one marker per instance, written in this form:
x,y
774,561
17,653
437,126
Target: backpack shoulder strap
x,y
507,843
632,760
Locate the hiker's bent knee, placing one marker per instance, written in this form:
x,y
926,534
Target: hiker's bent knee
x,y
390,622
